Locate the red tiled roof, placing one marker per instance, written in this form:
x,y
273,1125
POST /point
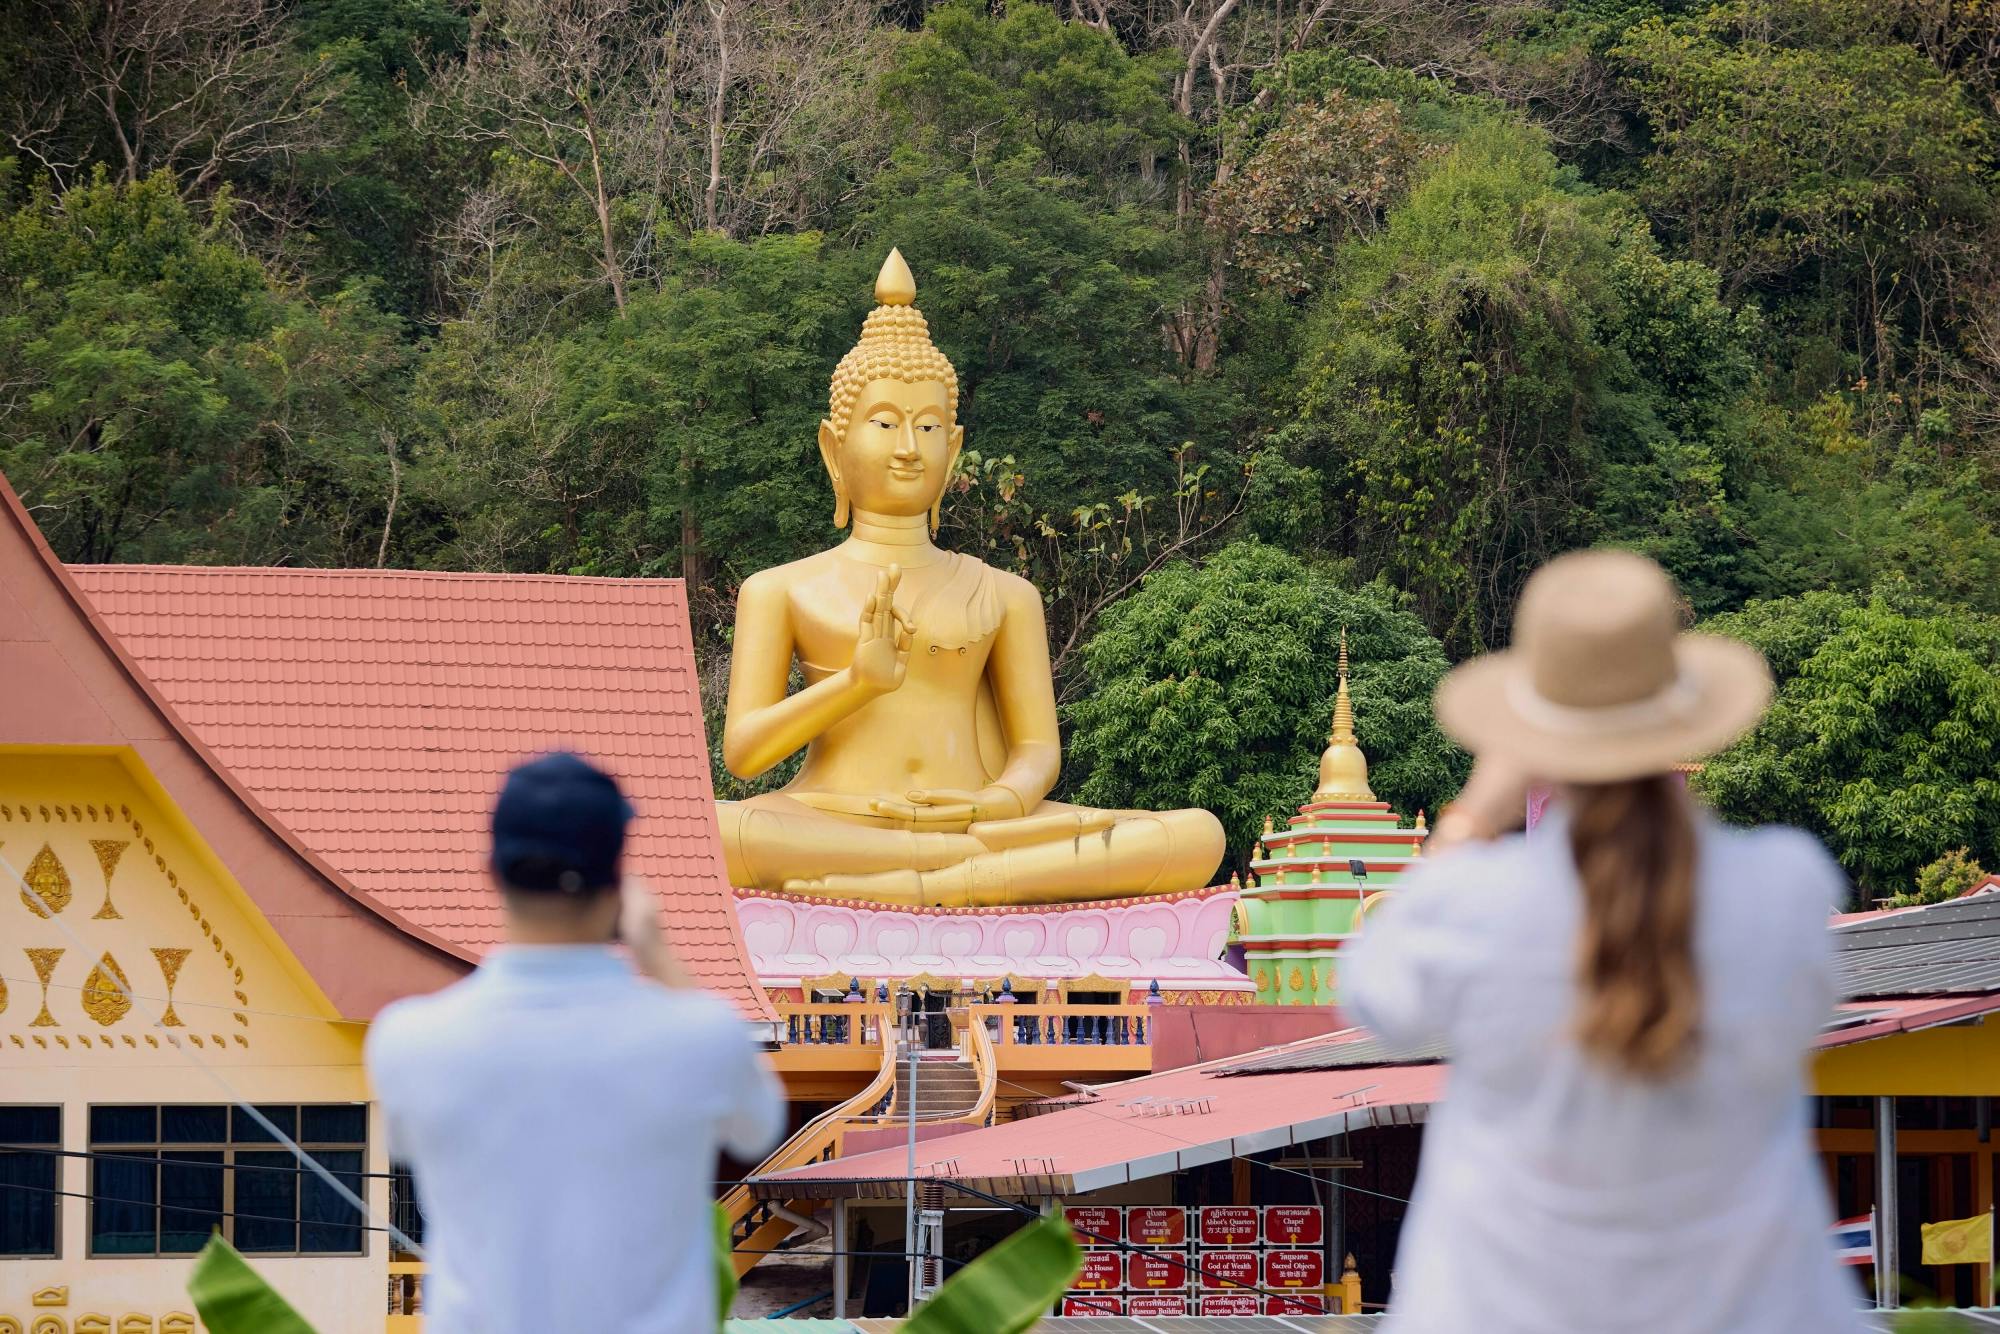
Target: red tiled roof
x,y
373,711
1136,1129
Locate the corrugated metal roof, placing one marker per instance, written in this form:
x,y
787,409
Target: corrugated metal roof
x,y
1136,1129
374,711
1950,949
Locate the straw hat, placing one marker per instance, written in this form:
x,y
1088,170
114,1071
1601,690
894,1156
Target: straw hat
x,y
1599,684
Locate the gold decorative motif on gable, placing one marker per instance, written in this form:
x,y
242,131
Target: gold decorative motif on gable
x,y
135,1324
50,1296
176,1322
107,995
93,1324
108,851
45,886
933,982
44,962
107,992
1094,982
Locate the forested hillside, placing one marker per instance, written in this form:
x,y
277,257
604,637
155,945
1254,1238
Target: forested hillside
x,y
1388,298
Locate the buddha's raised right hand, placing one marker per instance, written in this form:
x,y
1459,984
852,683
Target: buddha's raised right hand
x,y
882,648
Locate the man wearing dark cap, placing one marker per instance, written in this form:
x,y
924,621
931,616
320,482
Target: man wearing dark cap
x,y
562,1108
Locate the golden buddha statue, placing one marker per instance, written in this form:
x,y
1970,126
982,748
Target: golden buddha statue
x,y
928,712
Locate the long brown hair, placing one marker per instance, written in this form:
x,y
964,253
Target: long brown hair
x,y
1633,842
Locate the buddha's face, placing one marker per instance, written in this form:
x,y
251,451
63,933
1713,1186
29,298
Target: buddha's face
x,y
894,453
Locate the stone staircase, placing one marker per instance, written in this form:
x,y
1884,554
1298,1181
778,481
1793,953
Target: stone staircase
x,y
945,1090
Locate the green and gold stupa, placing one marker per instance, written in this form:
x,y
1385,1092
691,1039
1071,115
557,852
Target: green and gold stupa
x,y
1314,882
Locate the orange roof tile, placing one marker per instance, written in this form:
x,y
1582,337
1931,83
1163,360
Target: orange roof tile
x,y
373,712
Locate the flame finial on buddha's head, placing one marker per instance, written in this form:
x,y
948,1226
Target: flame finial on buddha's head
x,y
895,344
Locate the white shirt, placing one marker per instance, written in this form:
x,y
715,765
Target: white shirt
x,y
562,1116
1556,1195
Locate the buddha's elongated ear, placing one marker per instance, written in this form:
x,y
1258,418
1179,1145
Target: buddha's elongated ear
x,y
829,454
950,467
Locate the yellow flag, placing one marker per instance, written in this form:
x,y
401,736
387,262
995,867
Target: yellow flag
x,y
1959,1241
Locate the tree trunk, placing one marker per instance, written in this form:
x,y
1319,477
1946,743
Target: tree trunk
x,y
719,11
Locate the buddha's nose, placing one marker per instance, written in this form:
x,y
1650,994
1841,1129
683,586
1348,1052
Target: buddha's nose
x,y
906,446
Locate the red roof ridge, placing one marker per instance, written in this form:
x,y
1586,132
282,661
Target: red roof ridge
x,y
57,574
363,571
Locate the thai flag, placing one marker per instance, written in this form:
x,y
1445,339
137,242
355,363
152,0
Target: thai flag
x,y
1854,1240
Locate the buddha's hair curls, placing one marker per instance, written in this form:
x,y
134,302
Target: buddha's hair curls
x,y
895,345
1634,847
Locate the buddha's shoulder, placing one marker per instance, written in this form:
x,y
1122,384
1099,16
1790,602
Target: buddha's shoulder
x,y
1008,585
777,580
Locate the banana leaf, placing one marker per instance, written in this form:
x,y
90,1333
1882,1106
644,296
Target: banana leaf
x,y
725,1267
234,1299
1007,1289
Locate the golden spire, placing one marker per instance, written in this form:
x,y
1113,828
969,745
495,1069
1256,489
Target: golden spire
x,y
1343,769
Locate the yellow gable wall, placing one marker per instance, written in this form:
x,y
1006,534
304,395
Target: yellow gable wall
x,y
125,875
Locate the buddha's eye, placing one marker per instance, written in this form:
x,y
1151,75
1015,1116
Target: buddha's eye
x,y
928,426
882,425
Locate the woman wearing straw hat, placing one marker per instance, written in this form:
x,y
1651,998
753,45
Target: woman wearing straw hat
x,y
1627,996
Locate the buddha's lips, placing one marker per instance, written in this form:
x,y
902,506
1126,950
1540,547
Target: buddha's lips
x,y
906,474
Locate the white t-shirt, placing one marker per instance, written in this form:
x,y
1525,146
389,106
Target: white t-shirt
x,y
1559,1196
562,1116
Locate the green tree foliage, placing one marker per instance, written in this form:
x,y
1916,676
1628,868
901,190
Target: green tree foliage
x,y
1213,686
983,88
1943,880
1790,131
166,401
1884,738
1511,369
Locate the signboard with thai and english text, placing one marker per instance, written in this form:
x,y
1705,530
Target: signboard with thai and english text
x,y
1293,1269
1096,1225
1156,1303
1222,1270
1100,1305
1230,1303
1293,1224
1156,1225
1299,1303
1101,1272
1228,1225
1147,1271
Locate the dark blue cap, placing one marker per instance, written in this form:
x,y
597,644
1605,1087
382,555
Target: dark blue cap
x,y
559,825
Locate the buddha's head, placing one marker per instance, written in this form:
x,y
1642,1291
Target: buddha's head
x,y
891,434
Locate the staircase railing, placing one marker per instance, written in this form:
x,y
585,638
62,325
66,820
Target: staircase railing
x,y
815,1141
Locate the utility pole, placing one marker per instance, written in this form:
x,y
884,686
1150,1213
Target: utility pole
x,y
906,1003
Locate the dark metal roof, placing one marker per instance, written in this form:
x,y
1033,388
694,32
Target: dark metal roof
x,y
1334,1056
1950,949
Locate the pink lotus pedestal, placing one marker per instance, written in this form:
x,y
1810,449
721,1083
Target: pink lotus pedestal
x,y
1172,939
